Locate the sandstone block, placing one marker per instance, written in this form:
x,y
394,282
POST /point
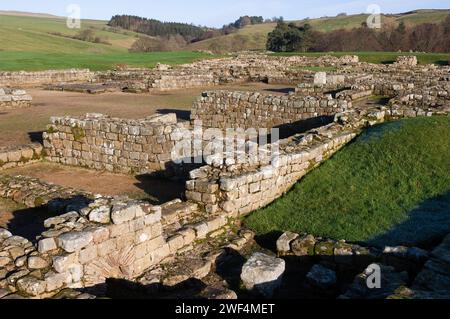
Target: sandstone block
x,y
74,241
31,286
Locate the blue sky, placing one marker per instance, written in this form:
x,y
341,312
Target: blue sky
x,y
216,13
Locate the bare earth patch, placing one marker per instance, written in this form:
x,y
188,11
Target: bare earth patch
x,y
142,187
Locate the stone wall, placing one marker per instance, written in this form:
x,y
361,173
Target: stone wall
x,y
23,78
406,61
225,109
14,99
20,155
99,238
239,189
117,145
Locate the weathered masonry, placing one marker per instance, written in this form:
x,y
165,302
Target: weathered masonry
x,y
117,145
14,99
44,77
225,109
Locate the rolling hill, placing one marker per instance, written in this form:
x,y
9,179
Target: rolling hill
x,y
33,42
34,32
38,41
254,37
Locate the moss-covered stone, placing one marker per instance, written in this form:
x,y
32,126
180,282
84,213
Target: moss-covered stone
x,y
78,133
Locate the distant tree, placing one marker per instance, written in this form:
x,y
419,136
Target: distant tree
x,y
87,35
342,14
154,27
288,38
401,28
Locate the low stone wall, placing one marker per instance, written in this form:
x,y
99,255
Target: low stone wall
x,y
14,99
406,61
23,78
182,81
20,155
241,189
99,142
33,192
241,192
99,238
225,109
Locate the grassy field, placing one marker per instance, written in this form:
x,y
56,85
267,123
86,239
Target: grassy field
x,y
380,57
36,34
390,186
30,43
35,61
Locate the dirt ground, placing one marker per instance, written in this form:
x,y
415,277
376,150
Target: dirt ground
x,y
153,189
24,125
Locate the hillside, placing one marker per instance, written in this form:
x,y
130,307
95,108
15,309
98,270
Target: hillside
x,y
254,37
35,42
38,33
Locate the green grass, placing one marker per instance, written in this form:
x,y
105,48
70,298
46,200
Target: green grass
x,y
384,187
36,34
35,61
379,57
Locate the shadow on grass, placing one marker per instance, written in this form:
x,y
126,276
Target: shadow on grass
x,y
425,225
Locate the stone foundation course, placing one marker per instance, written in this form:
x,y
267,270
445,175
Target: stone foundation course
x,y
14,99
14,156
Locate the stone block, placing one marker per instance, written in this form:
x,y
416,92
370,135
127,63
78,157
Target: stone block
x,y
74,241
47,244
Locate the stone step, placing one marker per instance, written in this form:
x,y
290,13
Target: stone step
x,y
176,211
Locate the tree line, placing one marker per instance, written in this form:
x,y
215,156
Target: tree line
x,y
426,37
157,28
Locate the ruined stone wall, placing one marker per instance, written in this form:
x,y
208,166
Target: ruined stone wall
x,y
117,145
224,109
20,155
98,238
241,189
14,99
23,78
245,190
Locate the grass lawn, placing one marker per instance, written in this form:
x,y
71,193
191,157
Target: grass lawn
x,y
390,186
379,57
35,61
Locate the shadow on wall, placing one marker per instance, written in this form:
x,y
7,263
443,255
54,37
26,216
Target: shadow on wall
x,y
181,114
302,126
425,226
29,222
282,90
36,137
159,188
